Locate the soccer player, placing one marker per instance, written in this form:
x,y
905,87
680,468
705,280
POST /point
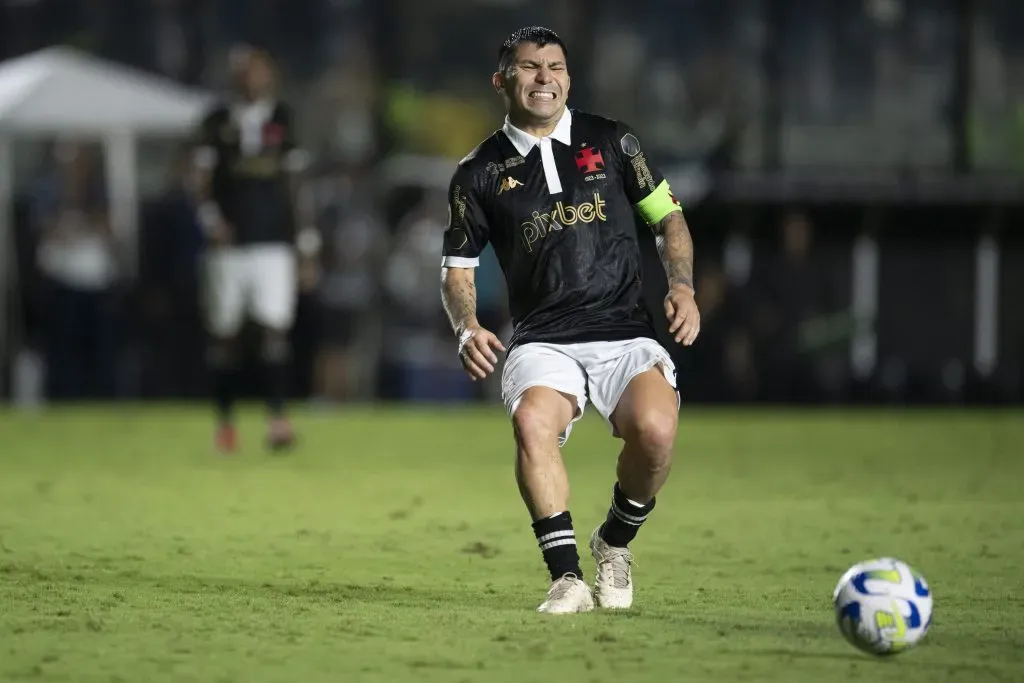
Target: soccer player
x,y
249,170
557,193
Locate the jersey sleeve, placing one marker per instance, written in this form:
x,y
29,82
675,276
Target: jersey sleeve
x,y
466,233
646,187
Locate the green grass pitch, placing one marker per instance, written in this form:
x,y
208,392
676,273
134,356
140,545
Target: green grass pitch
x,y
392,546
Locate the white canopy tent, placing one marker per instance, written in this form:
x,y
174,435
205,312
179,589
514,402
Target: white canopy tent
x,y
62,92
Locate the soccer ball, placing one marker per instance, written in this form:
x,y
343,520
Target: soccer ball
x,y
883,606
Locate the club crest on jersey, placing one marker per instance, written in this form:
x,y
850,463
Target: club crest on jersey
x,y
508,183
589,160
273,134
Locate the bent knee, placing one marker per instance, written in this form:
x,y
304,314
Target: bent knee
x,y
654,433
540,418
534,424
276,346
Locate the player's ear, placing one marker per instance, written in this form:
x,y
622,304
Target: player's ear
x,y
498,81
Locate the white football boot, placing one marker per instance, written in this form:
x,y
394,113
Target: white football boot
x,y
568,595
613,586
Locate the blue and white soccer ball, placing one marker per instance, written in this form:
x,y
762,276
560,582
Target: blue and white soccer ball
x,y
883,606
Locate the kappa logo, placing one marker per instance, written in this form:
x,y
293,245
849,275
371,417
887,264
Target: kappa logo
x,y
589,160
508,183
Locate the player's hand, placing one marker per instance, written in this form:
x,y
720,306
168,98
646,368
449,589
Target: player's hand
x,y
477,348
683,316
220,234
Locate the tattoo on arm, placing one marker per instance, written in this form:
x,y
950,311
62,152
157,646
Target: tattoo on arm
x,y
676,248
458,294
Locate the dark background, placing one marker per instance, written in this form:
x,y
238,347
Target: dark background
x,y
851,170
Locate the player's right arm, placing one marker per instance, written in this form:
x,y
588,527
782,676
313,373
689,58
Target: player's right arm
x,y
464,239
205,157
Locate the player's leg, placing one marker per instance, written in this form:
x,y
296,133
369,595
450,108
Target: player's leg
x,y
223,292
544,392
275,296
638,396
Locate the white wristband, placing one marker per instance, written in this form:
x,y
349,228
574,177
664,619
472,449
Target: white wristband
x,y
210,216
308,242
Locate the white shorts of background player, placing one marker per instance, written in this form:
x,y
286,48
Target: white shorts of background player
x,y
257,281
594,371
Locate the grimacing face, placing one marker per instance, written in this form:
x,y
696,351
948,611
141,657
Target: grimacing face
x,y
538,86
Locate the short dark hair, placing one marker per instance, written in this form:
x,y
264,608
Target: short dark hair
x,y
538,35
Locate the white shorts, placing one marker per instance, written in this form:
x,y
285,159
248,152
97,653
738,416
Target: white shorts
x,y
257,281
594,371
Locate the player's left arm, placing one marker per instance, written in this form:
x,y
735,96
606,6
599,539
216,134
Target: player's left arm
x,y
652,198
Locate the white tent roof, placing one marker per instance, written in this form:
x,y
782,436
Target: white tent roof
x,y
62,91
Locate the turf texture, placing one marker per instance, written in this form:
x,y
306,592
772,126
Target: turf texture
x,y
392,546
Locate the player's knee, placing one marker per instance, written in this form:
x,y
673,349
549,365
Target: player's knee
x,y
536,424
276,347
221,353
654,433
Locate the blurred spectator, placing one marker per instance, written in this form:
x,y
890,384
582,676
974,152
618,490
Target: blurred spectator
x,y
721,366
356,244
170,316
420,361
797,317
77,259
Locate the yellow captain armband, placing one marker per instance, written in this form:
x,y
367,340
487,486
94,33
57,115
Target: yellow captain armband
x,y
658,204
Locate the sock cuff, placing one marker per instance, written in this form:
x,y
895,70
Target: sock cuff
x,y
630,506
558,522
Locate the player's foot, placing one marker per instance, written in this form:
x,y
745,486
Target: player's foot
x,y
568,595
225,440
613,586
280,435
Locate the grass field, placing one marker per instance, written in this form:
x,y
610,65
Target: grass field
x,y
392,546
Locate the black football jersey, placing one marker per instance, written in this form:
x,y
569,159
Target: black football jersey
x,y
562,216
251,149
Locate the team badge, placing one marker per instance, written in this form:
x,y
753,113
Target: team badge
x,y
589,160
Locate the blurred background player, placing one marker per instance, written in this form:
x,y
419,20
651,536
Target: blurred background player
x,y
254,216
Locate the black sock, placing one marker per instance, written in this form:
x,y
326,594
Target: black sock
x,y
276,357
222,367
277,386
624,519
557,542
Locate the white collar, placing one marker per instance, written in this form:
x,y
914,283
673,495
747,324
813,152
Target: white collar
x,y
261,108
524,142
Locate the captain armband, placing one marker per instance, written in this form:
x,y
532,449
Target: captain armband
x,y
658,204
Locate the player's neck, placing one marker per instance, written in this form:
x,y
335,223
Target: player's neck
x,y
254,98
538,129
